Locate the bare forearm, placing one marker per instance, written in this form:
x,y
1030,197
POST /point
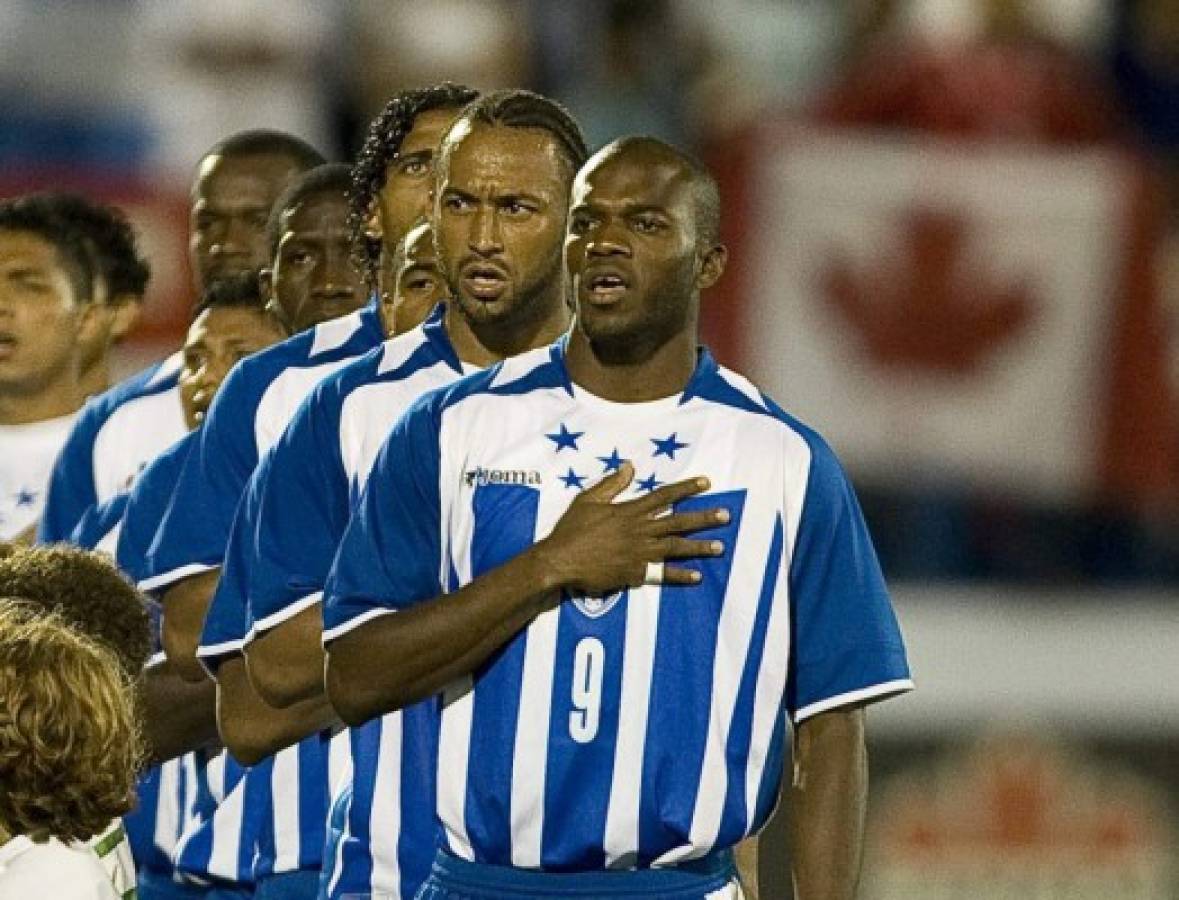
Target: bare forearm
x,y
396,660
185,605
251,728
178,715
286,663
828,802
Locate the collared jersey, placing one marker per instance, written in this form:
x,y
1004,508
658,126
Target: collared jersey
x,y
247,836
284,539
27,453
645,727
251,410
115,435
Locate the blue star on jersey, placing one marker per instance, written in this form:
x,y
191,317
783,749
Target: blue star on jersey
x,y
564,438
572,479
667,446
613,462
25,497
648,484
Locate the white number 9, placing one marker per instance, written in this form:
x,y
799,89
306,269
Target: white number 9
x,y
589,662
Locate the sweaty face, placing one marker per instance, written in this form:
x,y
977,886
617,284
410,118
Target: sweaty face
x,y
631,250
313,279
499,218
217,339
231,202
417,285
405,197
40,314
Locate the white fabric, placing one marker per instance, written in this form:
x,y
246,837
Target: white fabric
x,y
27,454
52,869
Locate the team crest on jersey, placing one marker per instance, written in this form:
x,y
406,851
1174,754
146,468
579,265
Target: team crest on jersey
x,y
597,605
481,476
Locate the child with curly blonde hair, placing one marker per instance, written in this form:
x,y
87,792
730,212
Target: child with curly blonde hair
x,y
69,752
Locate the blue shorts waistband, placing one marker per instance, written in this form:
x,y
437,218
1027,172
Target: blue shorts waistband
x,y
694,878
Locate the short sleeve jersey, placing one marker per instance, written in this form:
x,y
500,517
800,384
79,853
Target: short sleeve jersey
x,y
115,435
281,548
251,410
27,453
646,727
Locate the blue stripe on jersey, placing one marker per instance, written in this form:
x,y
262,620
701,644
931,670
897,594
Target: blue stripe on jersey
x,y
572,836
356,862
683,666
72,487
505,525
217,840
735,820
419,836
195,528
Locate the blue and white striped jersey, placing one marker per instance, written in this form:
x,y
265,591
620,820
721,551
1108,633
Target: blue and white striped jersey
x,y
258,829
284,540
251,409
115,435
647,727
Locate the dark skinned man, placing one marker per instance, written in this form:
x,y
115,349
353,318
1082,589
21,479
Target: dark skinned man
x,y
613,690
502,187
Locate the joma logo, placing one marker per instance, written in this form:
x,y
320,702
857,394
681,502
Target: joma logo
x,y
481,476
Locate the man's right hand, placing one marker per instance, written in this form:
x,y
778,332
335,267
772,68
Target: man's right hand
x,y
599,546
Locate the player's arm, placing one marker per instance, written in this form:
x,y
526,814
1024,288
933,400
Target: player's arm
x,y
828,803
392,661
186,603
297,508
178,715
252,729
745,858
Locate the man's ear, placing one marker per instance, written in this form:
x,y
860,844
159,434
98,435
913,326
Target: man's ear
x,y
126,311
373,229
93,317
712,266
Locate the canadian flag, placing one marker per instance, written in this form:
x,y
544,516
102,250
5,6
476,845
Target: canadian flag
x,y
950,311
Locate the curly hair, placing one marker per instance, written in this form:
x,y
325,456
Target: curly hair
x,y
70,746
88,592
382,143
112,239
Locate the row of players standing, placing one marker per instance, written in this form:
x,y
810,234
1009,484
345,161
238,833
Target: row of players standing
x,y
558,699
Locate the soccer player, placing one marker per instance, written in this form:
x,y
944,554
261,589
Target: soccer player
x,y
255,404
121,276
616,662
415,121
120,431
502,188
68,755
89,594
46,288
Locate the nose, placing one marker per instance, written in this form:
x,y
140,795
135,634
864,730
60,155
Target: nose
x,y
485,236
333,275
606,241
232,237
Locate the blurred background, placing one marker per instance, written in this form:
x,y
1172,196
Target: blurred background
x,y
954,228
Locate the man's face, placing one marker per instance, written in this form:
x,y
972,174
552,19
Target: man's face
x,y
405,198
231,202
217,339
313,279
40,314
632,249
416,283
499,219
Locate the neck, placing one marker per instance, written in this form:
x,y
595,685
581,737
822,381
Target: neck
x,y
51,403
5,835
95,379
637,375
483,344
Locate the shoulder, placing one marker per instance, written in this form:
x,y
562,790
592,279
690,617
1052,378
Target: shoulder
x,y
55,869
536,370
165,468
155,379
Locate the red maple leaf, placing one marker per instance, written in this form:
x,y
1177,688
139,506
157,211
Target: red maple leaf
x,y
928,307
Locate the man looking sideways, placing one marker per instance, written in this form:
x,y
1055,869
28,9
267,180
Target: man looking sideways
x,y
613,689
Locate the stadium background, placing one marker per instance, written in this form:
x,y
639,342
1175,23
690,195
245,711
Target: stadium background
x,y
955,236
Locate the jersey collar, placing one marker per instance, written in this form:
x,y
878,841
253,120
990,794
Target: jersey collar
x,y
706,368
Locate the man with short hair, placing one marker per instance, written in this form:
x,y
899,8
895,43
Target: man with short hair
x,y
505,166
614,663
121,430
46,289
